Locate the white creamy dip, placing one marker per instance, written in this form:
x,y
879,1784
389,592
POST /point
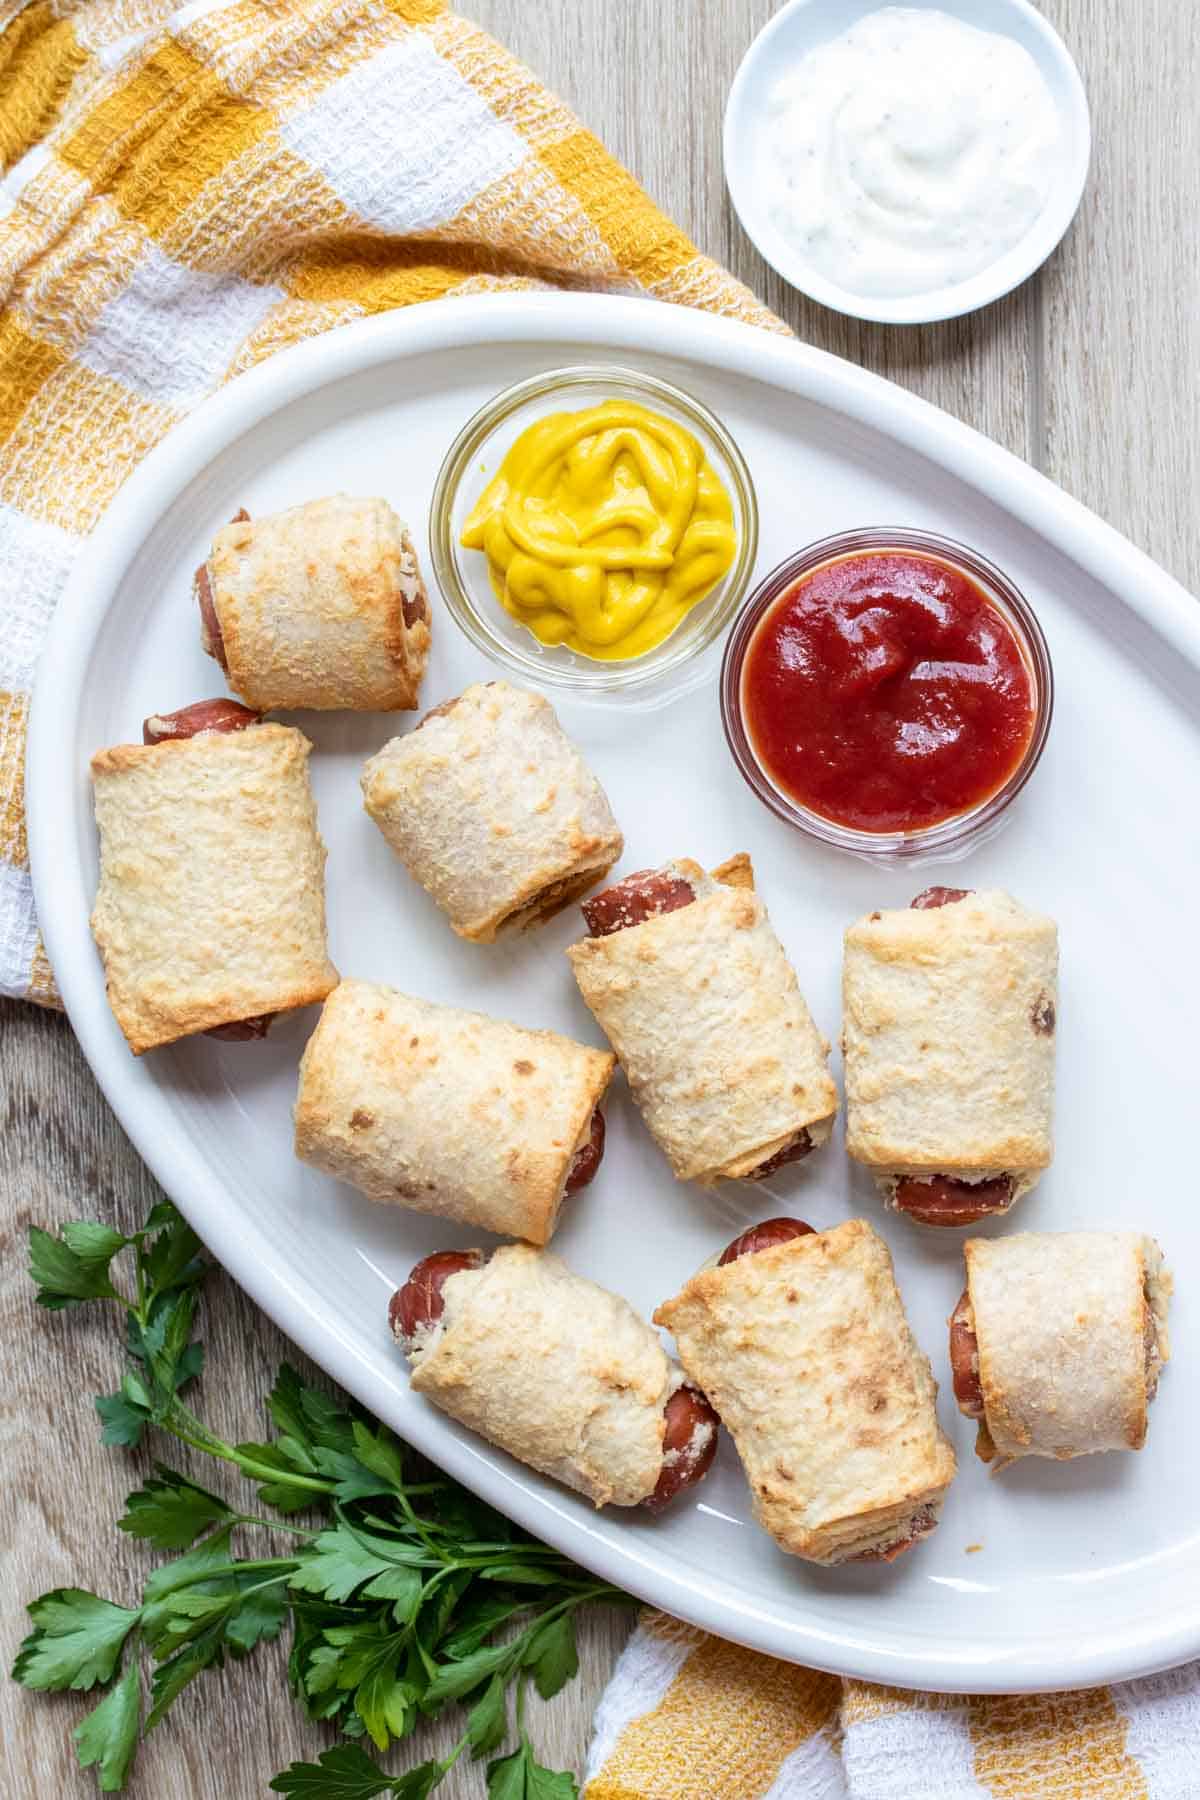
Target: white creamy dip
x,y
910,152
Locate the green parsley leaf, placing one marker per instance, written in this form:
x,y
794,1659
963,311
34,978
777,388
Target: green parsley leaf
x,y
77,1643
64,1276
173,1260
551,1655
171,1512
487,1721
285,1405
523,1574
163,1212
379,1452
476,1619
93,1243
338,1563
418,1784
213,1553
455,1679
521,1777
549,1784
385,1704
282,1495
109,1733
123,1419
403,1586
171,1676
259,1616
346,1773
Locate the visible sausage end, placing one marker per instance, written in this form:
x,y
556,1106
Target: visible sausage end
x,y
418,1305
946,1200
795,1151
438,712
211,636
241,1031
763,1237
202,718
919,1526
931,897
689,1444
587,1159
645,895
964,1359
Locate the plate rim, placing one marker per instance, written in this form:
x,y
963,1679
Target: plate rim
x,y
604,323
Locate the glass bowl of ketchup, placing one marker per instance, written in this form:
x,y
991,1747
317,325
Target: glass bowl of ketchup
x,y
887,691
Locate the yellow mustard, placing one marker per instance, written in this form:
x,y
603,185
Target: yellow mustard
x,y
603,528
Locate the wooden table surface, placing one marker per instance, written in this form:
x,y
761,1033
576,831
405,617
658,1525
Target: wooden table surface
x,y
1091,372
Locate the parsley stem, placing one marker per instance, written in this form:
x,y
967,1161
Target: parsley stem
x,y
272,1525
183,1424
287,1565
449,1761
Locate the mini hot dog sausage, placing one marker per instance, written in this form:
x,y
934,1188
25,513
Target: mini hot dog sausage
x,y
206,716
212,641
689,1444
589,1354
201,716
493,811
588,1159
1057,1344
418,1304
799,1341
948,1048
321,606
964,1359
763,1237
694,992
932,897
645,895
450,1112
945,1200
241,1031
211,637
796,1151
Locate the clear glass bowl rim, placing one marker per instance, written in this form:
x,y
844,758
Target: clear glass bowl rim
x,y
949,835
598,677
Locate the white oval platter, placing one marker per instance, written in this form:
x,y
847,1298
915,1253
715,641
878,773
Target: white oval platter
x,y
1056,1575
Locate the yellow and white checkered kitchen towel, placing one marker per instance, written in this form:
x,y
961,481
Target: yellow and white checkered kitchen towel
x,y
688,1717
184,192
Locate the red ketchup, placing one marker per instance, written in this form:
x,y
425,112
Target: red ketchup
x,y
885,691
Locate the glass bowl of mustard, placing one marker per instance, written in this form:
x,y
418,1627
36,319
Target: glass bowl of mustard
x,y
594,529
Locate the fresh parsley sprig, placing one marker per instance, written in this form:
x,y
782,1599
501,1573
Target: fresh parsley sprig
x,y
404,1595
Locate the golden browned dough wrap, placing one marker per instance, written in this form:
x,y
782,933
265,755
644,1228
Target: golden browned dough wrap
x,y
490,806
1066,1337
705,1014
948,1037
446,1112
211,904
806,1354
320,606
557,1371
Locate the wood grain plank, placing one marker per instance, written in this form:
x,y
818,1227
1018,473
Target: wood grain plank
x,y
1121,370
